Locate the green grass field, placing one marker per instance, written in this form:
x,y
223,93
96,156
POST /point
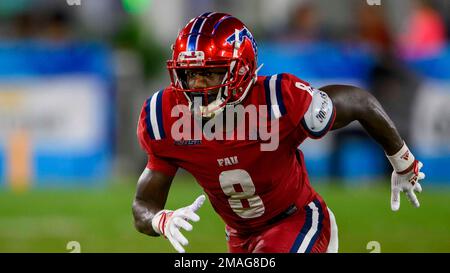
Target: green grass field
x,y
101,220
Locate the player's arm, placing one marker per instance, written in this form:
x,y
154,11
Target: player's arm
x,y
151,218
151,195
153,186
352,103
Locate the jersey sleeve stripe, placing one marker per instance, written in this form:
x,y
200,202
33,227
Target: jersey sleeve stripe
x,y
280,95
154,118
159,114
267,93
147,119
274,98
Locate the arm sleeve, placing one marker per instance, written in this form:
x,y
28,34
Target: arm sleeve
x,y
309,109
319,117
155,162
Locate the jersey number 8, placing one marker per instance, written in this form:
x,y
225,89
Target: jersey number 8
x,y
238,185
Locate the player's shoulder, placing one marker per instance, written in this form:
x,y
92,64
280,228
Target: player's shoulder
x,y
285,78
155,115
162,99
287,95
284,94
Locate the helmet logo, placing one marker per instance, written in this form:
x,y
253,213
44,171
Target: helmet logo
x,y
244,32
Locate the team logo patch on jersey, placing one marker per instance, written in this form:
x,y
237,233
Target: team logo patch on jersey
x,y
187,142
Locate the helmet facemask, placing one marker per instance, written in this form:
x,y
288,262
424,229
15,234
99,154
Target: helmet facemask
x,y
211,100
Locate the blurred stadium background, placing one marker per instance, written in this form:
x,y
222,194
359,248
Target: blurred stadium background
x,y
74,74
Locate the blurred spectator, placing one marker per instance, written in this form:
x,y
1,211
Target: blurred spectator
x,y
57,26
390,80
425,33
304,24
23,26
50,25
373,28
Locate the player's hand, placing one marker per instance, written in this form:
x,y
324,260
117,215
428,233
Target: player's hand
x,y
407,183
168,223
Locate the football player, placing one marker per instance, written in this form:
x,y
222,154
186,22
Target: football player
x,y
263,196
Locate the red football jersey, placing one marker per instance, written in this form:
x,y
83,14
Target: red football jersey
x,y
246,186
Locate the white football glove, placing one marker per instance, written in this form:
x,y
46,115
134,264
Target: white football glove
x,y
168,223
407,183
405,177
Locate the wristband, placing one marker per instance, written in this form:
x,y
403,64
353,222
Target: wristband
x,y
402,160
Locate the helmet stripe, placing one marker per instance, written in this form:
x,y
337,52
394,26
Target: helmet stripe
x,y
195,30
200,30
206,14
219,22
193,36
